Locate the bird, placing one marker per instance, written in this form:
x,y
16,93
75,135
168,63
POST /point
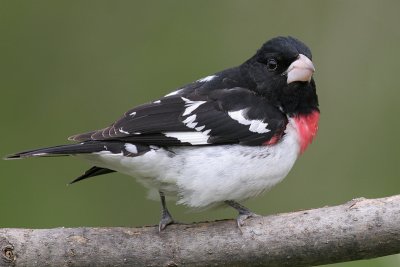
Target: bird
x,y
217,141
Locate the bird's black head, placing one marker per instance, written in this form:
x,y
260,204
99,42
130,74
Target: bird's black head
x,y
282,70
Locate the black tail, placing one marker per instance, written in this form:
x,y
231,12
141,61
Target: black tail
x,y
72,149
85,148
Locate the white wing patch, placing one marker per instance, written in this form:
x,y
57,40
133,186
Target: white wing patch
x,y
194,138
206,79
191,105
200,128
190,121
256,126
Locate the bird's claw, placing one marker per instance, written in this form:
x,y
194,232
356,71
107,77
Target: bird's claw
x,y
244,216
166,220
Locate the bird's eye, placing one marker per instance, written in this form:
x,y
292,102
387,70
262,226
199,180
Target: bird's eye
x,y
272,64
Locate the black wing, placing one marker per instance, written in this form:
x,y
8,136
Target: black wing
x,y
193,117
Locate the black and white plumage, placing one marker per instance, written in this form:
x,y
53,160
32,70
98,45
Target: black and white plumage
x,y
223,138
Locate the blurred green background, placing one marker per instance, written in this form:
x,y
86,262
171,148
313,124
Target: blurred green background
x,y
72,66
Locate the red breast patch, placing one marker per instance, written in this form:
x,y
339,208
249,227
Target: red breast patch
x,y
307,127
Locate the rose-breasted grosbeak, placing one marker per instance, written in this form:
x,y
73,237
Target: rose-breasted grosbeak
x,y
221,139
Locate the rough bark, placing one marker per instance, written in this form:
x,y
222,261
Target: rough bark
x,y
359,229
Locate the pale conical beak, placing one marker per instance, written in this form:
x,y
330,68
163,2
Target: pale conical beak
x,y
301,70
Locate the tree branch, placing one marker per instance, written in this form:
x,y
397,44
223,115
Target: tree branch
x,y
359,229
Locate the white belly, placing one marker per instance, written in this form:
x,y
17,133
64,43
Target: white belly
x,y
208,175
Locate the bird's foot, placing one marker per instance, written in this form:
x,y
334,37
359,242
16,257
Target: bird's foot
x,y
244,216
244,213
166,219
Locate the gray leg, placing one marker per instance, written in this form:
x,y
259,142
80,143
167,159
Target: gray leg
x,y
244,213
166,217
